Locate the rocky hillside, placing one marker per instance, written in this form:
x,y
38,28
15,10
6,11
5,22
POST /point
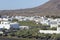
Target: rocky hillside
x,y
52,7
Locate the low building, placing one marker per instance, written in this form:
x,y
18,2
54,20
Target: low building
x,y
1,32
53,24
24,27
4,24
8,25
49,31
14,25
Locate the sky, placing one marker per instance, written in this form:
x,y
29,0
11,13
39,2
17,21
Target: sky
x,y
20,4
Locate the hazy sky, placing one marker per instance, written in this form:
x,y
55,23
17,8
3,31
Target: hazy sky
x,y
20,4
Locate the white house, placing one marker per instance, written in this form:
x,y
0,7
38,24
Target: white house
x,y
5,24
3,19
44,21
24,27
1,32
49,31
53,24
8,25
31,18
14,25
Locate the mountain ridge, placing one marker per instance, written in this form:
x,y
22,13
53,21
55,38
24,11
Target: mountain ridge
x,y
50,8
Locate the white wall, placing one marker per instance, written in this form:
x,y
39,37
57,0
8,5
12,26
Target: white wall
x,y
49,31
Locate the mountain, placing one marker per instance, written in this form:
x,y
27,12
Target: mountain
x,y
51,8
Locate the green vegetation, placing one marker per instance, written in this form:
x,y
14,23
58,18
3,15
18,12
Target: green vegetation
x,y
54,28
12,38
14,20
31,33
28,23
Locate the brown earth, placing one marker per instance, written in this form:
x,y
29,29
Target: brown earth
x,y
50,8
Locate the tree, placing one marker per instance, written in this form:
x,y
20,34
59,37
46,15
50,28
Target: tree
x,y
15,20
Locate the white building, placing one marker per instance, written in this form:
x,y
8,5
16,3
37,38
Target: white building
x,y
3,19
14,25
53,24
49,31
8,25
24,27
5,24
46,22
1,32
